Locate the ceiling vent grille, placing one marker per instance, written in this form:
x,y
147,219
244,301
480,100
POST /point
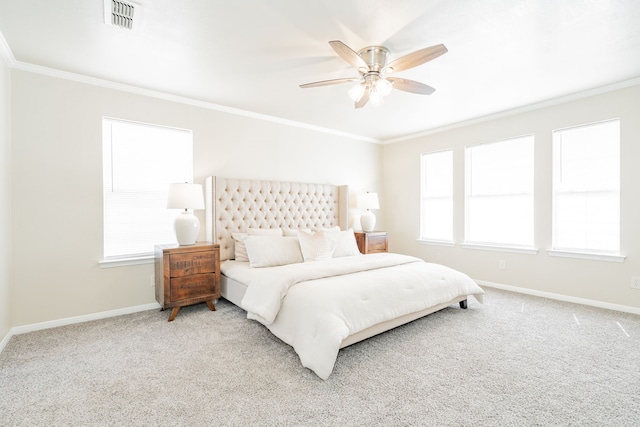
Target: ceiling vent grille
x,y
119,13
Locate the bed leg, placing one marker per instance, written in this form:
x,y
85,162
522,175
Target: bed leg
x,y
463,304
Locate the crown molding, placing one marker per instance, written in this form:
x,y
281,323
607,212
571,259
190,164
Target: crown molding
x,y
519,110
7,55
80,78
5,52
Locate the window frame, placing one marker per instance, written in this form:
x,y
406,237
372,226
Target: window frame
x,y
468,188
557,167
423,196
145,257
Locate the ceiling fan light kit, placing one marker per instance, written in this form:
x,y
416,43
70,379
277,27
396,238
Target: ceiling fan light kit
x,y
384,86
375,97
357,91
371,62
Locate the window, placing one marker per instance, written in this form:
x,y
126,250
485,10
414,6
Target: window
x,y
586,188
139,163
499,193
436,207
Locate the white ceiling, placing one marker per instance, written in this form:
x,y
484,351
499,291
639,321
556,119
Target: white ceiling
x,y
252,54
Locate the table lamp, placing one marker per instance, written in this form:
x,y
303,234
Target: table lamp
x,y
186,196
367,201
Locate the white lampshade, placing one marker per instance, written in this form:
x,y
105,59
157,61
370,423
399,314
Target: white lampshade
x,y
186,225
183,195
367,201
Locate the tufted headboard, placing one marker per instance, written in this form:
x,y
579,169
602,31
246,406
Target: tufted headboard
x,y
234,205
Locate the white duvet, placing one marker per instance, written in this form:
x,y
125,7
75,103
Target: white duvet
x,y
314,306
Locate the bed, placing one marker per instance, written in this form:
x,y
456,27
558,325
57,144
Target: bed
x,y
289,259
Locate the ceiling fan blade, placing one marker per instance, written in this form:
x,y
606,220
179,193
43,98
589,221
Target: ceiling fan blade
x,y
365,98
331,82
348,54
411,86
416,58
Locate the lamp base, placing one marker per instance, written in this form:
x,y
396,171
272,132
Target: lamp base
x,y
367,220
187,228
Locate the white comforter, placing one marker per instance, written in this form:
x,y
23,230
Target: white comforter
x,y
314,306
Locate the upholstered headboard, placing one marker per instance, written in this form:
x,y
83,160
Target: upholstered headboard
x,y
235,205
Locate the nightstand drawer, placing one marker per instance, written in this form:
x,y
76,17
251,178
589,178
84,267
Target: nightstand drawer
x,y
377,244
372,242
192,263
192,286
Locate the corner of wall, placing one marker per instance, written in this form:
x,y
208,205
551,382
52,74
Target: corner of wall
x,y
5,52
6,207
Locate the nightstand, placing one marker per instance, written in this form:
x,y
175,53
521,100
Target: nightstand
x,y
371,242
187,275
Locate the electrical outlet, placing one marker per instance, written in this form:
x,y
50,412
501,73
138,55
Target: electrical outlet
x,y
635,282
438,257
152,280
502,264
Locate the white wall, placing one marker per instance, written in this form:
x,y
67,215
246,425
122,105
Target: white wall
x,y
6,265
592,280
57,174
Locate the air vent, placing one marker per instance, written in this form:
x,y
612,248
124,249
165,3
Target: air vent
x,y
119,13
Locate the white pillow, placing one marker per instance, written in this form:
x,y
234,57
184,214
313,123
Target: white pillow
x,y
240,250
343,243
270,251
291,231
336,228
315,246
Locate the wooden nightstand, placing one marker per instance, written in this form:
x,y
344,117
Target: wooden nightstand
x,y
372,242
187,275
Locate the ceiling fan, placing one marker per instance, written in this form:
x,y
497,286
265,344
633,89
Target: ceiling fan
x,y
374,82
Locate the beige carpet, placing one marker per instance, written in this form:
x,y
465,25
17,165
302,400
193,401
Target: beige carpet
x,y
516,360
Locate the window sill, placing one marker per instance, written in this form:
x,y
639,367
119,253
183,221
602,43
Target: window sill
x,y
498,248
126,261
586,255
449,243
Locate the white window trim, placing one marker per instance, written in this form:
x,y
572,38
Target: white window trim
x,y
586,255
467,185
434,242
112,262
595,256
140,258
426,240
500,248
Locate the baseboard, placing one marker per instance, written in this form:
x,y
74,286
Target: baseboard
x,y
153,306
17,330
560,297
5,340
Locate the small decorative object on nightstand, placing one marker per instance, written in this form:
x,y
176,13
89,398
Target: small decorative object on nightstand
x,y
187,275
372,242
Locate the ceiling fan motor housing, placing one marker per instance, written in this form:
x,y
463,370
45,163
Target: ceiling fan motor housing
x,y
375,57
